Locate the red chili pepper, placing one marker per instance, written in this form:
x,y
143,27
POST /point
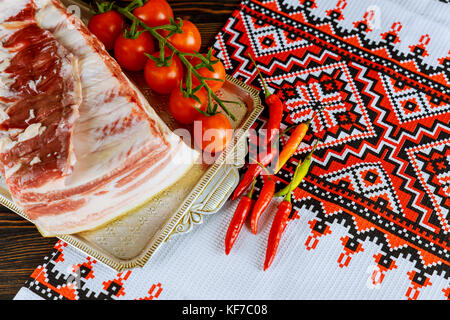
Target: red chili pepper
x,y
240,215
262,203
276,115
254,170
273,126
275,108
284,209
276,231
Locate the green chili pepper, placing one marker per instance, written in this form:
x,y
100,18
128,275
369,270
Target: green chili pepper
x,y
300,172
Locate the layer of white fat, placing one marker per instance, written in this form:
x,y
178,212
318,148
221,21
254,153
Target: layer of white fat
x,y
31,116
10,171
31,131
95,214
6,143
3,115
110,152
35,160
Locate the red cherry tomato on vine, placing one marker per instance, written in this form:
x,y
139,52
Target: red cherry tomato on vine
x,y
107,27
164,80
130,53
154,13
183,109
188,41
215,134
218,73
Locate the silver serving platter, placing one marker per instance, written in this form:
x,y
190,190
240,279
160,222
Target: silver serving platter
x,y
131,240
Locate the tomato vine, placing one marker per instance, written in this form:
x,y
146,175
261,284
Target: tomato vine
x,y
207,61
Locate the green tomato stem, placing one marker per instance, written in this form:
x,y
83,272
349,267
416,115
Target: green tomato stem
x,y
180,55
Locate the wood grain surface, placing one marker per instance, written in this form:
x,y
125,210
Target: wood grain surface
x,y
22,248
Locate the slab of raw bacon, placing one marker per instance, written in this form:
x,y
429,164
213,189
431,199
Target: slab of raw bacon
x,y
40,92
124,152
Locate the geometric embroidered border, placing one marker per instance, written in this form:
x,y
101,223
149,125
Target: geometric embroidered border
x,y
382,166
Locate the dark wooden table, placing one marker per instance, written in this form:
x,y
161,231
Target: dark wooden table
x,y
22,248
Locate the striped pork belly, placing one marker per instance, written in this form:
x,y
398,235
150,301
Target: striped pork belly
x,y
40,93
124,153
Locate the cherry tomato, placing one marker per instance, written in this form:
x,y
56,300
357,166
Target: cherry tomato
x,y
154,13
183,109
188,41
219,73
107,27
164,80
130,53
216,133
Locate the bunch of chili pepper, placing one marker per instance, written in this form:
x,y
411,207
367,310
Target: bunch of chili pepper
x,y
247,204
273,126
285,208
254,169
267,192
291,146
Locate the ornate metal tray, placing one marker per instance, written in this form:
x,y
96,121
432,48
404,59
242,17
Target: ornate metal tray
x,y
132,240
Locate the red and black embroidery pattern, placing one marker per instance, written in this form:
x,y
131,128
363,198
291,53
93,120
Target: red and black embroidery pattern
x,y
382,168
51,283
